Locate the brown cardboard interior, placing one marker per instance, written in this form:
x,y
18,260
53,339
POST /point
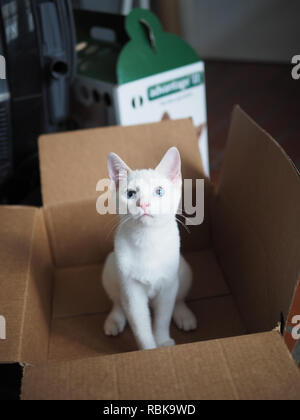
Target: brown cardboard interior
x,y
80,240
80,308
78,235
26,279
142,146
256,227
53,301
15,249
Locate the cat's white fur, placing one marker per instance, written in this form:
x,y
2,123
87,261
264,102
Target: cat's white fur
x,y
146,268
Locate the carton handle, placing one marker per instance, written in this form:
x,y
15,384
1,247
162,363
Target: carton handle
x,y
142,26
149,33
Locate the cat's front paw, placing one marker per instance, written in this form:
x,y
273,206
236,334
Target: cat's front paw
x,y
166,343
113,326
184,318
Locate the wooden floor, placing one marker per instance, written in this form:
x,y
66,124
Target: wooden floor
x,y
266,92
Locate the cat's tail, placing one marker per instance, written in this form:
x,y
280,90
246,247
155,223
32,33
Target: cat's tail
x,y
182,315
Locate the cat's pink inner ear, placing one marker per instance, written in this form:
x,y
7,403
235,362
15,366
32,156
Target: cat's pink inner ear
x,y
117,169
170,165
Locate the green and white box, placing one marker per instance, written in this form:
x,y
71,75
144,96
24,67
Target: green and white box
x,y
155,76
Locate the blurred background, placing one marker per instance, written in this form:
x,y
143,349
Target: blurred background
x,y
260,30
247,48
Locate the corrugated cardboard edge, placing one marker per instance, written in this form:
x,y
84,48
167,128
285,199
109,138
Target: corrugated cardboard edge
x,y
253,367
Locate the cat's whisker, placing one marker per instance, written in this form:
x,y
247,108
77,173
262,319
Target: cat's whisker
x,y
126,218
188,219
112,220
112,224
186,228
110,232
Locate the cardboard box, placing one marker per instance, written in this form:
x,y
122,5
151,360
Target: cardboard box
x,y
245,258
154,75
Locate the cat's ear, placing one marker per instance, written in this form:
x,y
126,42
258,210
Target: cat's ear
x,y
170,165
117,169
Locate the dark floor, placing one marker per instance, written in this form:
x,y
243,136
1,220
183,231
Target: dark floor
x,y
266,92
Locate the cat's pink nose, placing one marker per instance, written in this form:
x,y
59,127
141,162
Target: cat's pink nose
x,y
144,206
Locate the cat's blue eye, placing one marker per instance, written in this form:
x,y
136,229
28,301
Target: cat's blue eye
x,y
130,194
159,191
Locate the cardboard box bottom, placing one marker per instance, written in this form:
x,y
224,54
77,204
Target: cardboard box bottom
x,y
80,306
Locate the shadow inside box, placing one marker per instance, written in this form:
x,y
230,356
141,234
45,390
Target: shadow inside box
x,y
10,381
80,307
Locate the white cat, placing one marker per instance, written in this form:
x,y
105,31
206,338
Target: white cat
x,y
146,266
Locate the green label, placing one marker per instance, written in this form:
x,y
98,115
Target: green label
x,y
174,86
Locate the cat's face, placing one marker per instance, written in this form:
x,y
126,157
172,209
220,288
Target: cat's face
x,y
148,196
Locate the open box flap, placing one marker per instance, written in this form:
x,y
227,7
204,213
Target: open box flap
x,y
25,284
256,225
248,367
16,231
72,163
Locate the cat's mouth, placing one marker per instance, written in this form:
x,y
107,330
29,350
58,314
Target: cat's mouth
x,y
145,216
